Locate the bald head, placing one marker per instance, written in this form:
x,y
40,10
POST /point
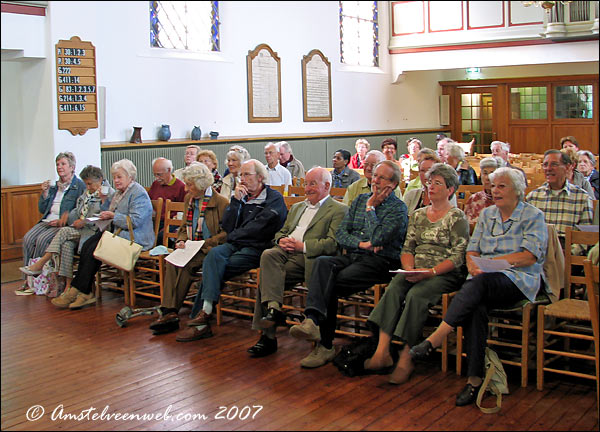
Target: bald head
x,y
162,167
317,184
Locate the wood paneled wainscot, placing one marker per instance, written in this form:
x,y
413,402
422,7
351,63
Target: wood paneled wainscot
x,y
19,214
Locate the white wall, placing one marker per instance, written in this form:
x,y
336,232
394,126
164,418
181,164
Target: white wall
x,y
146,88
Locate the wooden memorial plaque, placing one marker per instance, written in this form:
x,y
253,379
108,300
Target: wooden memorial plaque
x,y
264,85
316,87
76,91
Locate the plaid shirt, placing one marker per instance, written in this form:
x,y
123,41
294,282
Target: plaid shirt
x,y
567,207
385,226
524,230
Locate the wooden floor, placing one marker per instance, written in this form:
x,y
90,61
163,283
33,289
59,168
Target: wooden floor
x,y
83,362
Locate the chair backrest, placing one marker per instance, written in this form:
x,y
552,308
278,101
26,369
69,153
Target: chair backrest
x,y
296,191
279,188
337,192
573,237
172,220
157,206
591,284
291,200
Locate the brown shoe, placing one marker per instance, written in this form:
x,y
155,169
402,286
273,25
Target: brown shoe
x,y
201,319
192,334
167,323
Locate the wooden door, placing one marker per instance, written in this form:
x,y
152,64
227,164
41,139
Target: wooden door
x,y
476,110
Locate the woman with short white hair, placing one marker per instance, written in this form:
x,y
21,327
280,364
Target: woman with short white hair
x,y
456,159
235,158
482,199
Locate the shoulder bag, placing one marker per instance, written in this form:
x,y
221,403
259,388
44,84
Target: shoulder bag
x,y
117,251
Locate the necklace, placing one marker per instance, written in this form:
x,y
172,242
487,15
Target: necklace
x,y
504,230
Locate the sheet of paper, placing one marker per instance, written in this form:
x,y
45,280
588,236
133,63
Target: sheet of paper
x,y
180,257
100,223
587,228
408,271
490,265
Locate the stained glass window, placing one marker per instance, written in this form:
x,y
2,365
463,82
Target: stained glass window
x,y
528,103
187,25
359,33
574,101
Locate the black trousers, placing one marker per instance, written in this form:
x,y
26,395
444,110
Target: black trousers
x,y
339,276
470,307
85,277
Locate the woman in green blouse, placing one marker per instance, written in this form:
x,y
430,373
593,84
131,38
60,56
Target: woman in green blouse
x,y
433,260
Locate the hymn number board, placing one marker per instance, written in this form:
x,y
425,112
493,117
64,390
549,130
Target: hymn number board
x,y
76,91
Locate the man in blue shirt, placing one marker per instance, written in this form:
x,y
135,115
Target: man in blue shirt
x,y
372,234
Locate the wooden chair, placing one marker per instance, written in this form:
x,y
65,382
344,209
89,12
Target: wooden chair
x,y
574,263
280,188
296,191
298,182
337,193
464,192
238,295
570,319
291,200
591,283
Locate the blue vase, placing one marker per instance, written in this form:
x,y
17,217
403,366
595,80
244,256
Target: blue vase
x,y
196,133
164,133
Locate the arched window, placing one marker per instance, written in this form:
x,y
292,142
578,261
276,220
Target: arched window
x,y
359,33
187,25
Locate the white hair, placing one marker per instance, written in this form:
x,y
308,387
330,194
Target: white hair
x,y
380,156
169,163
505,146
515,177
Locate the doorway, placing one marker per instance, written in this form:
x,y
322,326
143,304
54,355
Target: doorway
x,y
475,114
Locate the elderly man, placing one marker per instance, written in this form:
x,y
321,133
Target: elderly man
x,y
191,155
308,232
165,186
563,204
256,212
364,184
287,160
342,175
278,175
372,234
502,150
441,149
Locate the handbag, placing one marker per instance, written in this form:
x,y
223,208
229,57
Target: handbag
x,y
495,382
117,251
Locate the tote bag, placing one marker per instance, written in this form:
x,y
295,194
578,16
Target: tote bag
x,y
117,251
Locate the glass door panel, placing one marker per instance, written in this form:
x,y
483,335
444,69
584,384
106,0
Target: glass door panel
x,y
477,118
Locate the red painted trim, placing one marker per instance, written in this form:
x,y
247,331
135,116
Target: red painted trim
x,y
404,34
471,46
511,24
23,9
462,19
484,27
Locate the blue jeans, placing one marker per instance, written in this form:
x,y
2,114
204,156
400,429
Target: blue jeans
x,y
222,263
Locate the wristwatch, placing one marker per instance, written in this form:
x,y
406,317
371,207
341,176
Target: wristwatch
x,y
370,208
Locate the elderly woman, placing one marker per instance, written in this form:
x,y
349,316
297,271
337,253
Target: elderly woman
x,y
456,159
514,232
410,163
202,221
130,200
362,147
54,204
235,159
209,158
586,166
482,199
433,260
574,176
419,198
71,238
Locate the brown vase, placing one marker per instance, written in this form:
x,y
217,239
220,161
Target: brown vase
x,y
137,135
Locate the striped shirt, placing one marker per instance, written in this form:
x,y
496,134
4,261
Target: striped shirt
x,y
385,226
563,208
524,230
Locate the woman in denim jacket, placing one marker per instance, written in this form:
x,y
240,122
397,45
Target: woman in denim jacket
x,y
54,204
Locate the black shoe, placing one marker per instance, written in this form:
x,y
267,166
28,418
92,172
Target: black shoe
x,y
421,351
264,347
468,395
273,318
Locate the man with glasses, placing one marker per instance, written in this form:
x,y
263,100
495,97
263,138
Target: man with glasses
x,y
191,153
255,213
364,184
308,232
371,234
278,175
165,186
563,204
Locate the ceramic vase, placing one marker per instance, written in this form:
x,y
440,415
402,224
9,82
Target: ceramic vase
x,y
164,133
196,133
136,137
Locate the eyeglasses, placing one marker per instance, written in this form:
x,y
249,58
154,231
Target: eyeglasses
x,y
159,174
437,183
247,174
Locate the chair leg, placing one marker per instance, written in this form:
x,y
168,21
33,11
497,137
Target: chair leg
x,y
459,349
540,348
219,312
526,321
